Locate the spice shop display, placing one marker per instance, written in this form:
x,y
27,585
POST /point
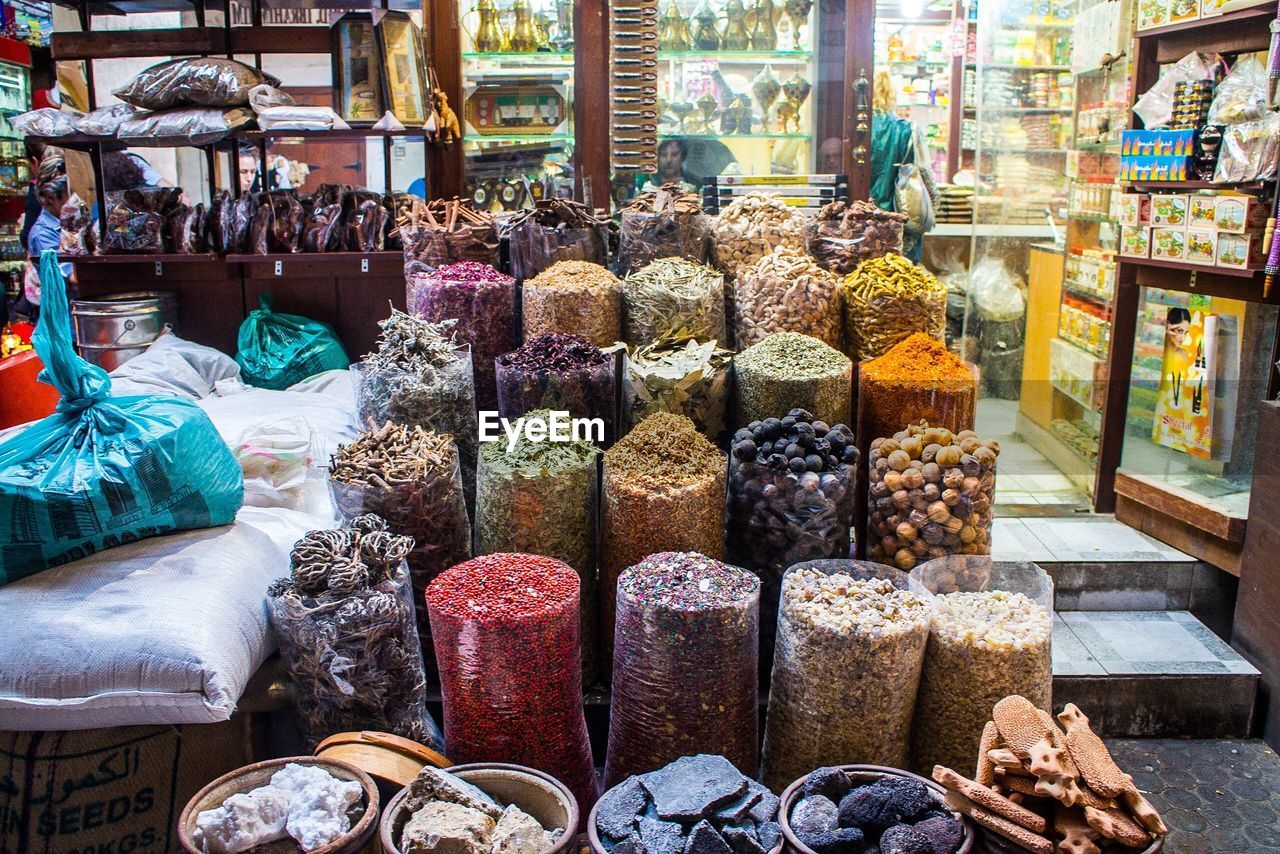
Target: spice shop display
x,y
791,500
364,221
556,230
483,302
688,379
1045,787
850,645
507,646
418,376
697,803
789,370
672,299
448,814
345,621
932,495
684,665
305,804
785,291
664,223
887,300
560,372
844,234
411,478
447,232
857,808
917,380
989,637
576,298
277,223
663,490
750,227
540,498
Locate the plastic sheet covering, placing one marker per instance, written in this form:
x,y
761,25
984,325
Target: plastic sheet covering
x,y
183,126
193,81
264,96
105,121
279,350
275,459
851,643
351,650
1155,106
1241,96
103,471
506,629
46,121
990,637
684,665
1250,151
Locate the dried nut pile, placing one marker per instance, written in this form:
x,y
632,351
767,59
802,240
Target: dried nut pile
x,y
844,234
687,378
1045,789
672,299
845,670
576,298
663,223
788,370
932,494
785,291
888,299
749,228
982,646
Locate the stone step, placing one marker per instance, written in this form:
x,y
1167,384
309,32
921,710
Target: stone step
x,y
1152,674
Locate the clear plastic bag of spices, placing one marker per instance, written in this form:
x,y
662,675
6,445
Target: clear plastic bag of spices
x,y
533,248
990,636
851,644
586,392
673,299
842,235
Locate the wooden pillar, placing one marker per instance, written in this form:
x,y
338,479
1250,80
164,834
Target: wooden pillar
x,y
445,165
591,102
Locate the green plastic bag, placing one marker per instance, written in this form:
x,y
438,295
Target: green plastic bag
x,y
103,471
279,350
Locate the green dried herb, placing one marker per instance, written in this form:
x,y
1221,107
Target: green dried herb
x,y
788,370
672,299
689,379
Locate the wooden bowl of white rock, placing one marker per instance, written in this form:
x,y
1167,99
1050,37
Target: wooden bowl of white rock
x,y
502,786
212,823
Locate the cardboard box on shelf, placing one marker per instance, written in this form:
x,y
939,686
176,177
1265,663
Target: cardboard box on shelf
x,y
1209,8
1152,13
1241,251
1183,10
1169,210
1169,244
1135,209
1135,241
1237,214
1202,246
1201,209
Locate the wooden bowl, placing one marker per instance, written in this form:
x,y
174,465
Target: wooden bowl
x,y
863,774
250,777
597,844
540,795
390,760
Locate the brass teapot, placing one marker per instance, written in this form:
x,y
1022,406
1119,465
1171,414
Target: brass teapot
x,y
673,29
488,37
706,31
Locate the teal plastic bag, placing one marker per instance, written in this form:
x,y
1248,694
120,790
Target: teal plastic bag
x,y
103,471
279,350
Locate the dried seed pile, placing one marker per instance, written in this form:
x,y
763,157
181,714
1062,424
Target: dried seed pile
x,y
788,370
791,500
672,299
932,495
507,626
562,372
556,230
983,645
664,490
409,477
419,376
684,665
483,302
663,223
785,291
844,234
750,227
918,380
574,297
345,621
540,498
851,642
887,300
687,378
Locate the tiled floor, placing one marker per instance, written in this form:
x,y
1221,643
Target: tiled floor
x,y
1024,478
1140,643
1075,540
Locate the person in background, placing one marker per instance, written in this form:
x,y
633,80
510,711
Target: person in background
x,y
122,172
672,154
897,143
150,177
52,191
250,182
35,152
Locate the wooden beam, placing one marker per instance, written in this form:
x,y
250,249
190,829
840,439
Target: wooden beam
x,y
113,44
281,40
591,102
1182,504
1115,401
446,165
1221,553
859,32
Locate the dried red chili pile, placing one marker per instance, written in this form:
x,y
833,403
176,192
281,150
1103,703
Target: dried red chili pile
x,y
684,665
506,634
558,372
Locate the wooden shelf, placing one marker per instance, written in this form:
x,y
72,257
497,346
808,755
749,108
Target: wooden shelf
x,y
169,258
272,257
83,142
1195,185
1201,25
1190,268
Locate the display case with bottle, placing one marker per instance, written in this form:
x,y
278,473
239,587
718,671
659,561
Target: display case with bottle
x,y
918,58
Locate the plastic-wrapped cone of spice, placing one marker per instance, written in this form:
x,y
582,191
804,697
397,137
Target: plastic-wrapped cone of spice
x,y
851,642
540,498
663,490
575,298
684,665
483,302
789,370
507,648
561,372
990,636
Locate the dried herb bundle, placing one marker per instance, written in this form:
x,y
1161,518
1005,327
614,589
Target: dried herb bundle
x,y
663,223
689,379
345,621
540,498
446,232
556,230
410,477
672,299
